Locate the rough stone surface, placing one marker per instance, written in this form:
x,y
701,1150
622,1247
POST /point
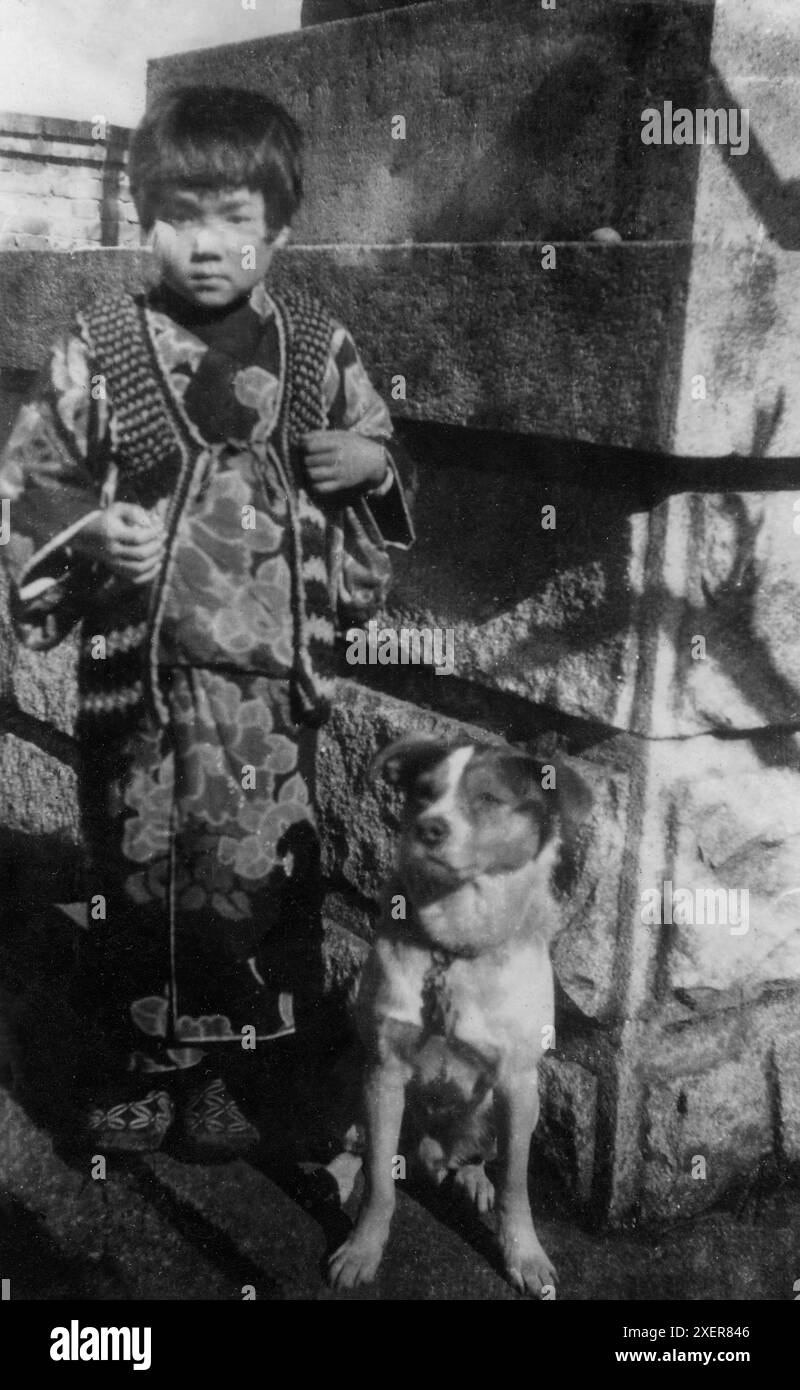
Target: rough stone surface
x,y
541,140
755,55
40,292
547,352
344,953
732,824
520,149
322,11
585,954
741,553
741,311
40,684
590,350
787,1071
37,792
722,1116
568,1124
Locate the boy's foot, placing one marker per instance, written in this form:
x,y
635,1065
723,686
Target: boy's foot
x,y
131,1126
214,1124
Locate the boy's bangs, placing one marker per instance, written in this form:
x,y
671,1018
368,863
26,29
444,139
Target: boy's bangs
x,y
212,164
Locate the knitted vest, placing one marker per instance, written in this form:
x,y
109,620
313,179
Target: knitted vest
x,y
156,447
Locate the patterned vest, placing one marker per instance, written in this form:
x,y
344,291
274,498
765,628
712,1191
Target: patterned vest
x,y
157,449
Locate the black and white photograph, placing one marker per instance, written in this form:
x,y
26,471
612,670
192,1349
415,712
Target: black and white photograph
x,y
400,662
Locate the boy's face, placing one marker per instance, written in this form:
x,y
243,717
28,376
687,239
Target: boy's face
x,y
214,245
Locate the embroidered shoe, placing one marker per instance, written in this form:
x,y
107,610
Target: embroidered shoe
x,y
214,1124
131,1126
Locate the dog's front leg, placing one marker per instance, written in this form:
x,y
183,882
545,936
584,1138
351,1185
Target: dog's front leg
x,y
357,1261
517,1110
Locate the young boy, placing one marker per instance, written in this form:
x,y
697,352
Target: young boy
x,y
178,484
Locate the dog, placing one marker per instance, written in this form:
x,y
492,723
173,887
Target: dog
x,y
458,988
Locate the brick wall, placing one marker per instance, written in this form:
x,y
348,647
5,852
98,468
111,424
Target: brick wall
x,y
63,184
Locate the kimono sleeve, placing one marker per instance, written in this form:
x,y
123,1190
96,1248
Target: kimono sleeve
x,y
352,403
48,476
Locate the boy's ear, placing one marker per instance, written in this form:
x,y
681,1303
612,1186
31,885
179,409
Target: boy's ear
x,y
281,239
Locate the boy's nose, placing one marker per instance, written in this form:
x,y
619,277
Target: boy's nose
x,y
204,243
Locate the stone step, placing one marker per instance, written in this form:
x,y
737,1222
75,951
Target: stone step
x,y
157,1228
597,348
40,291
521,123
524,123
284,1249
97,1234
605,347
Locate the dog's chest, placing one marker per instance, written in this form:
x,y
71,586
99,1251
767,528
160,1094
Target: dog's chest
x,y
488,1005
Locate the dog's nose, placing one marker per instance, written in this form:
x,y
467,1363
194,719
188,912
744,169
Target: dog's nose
x,y
432,830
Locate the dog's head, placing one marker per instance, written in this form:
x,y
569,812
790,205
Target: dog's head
x,y
471,811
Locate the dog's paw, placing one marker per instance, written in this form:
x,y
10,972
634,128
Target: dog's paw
x,y
431,1160
527,1265
471,1180
344,1169
357,1260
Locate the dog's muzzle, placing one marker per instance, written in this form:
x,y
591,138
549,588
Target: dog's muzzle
x,y
431,831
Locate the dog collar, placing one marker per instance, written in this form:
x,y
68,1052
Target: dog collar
x,y
434,998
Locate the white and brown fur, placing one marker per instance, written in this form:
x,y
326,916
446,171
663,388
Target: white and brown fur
x,y
453,999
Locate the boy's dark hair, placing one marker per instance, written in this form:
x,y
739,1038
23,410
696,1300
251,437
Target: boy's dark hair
x,y
217,137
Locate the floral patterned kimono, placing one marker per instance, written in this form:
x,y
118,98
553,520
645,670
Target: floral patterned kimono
x,y
197,780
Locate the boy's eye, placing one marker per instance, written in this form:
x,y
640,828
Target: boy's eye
x,y
488,799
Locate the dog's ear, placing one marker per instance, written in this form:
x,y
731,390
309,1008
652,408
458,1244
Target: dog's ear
x,y
400,762
521,773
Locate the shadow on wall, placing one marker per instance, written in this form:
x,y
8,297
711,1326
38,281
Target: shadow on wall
x,y
571,585
514,189
15,386
580,129
774,201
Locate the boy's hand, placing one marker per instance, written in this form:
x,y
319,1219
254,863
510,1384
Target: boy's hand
x,y
339,459
126,539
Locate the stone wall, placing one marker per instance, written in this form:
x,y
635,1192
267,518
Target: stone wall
x,y
63,184
646,390
321,11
